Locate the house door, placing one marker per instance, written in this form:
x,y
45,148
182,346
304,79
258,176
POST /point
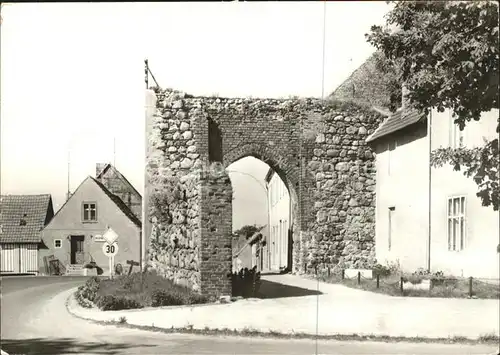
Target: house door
x,y
77,256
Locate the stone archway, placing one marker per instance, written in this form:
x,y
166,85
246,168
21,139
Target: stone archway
x,y
317,148
289,174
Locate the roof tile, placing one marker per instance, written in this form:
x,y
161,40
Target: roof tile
x,y
397,121
121,205
32,209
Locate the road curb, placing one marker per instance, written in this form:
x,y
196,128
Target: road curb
x,y
277,335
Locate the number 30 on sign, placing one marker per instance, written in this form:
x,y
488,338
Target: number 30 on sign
x,y
110,249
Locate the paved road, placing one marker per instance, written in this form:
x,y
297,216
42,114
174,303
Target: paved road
x,y
34,320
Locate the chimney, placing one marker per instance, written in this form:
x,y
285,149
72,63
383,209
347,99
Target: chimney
x,y
99,167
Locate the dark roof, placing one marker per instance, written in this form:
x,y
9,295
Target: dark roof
x,y
32,209
121,205
120,175
368,84
255,238
397,121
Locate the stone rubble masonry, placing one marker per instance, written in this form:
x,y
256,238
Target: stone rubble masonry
x,y
316,147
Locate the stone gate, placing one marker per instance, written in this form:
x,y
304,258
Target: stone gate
x,y
318,149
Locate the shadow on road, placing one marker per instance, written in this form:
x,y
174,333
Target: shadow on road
x,y
64,346
269,289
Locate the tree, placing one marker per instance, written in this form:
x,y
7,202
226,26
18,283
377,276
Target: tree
x,y
447,55
247,231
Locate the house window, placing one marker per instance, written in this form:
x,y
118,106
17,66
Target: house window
x,y
89,212
456,223
392,210
390,163
457,136
57,243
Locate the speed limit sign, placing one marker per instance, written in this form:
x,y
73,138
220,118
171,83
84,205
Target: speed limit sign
x,y
110,250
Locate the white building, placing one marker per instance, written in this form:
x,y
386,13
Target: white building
x,y
277,253
430,217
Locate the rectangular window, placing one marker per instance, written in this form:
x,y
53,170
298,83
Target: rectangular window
x,y
456,135
392,210
456,223
89,212
57,243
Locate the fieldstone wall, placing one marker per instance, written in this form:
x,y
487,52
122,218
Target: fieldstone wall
x,y
318,149
344,196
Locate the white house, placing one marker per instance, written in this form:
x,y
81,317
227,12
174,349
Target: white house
x,y
278,251
431,217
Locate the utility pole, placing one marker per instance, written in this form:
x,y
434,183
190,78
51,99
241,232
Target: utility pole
x,y
146,72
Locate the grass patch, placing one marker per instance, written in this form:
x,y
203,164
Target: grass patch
x,y
136,290
440,287
249,333
489,338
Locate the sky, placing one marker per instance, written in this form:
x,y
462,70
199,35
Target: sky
x,y
72,78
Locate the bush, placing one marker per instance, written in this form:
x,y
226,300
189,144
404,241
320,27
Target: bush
x,y
436,278
144,289
413,278
116,303
245,283
176,297
382,271
135,291
86,294
421,272
82,301
168,298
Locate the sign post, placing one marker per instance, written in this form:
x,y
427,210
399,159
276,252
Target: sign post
x,y
110,251
110,248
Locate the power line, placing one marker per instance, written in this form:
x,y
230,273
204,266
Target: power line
x,y
252,176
